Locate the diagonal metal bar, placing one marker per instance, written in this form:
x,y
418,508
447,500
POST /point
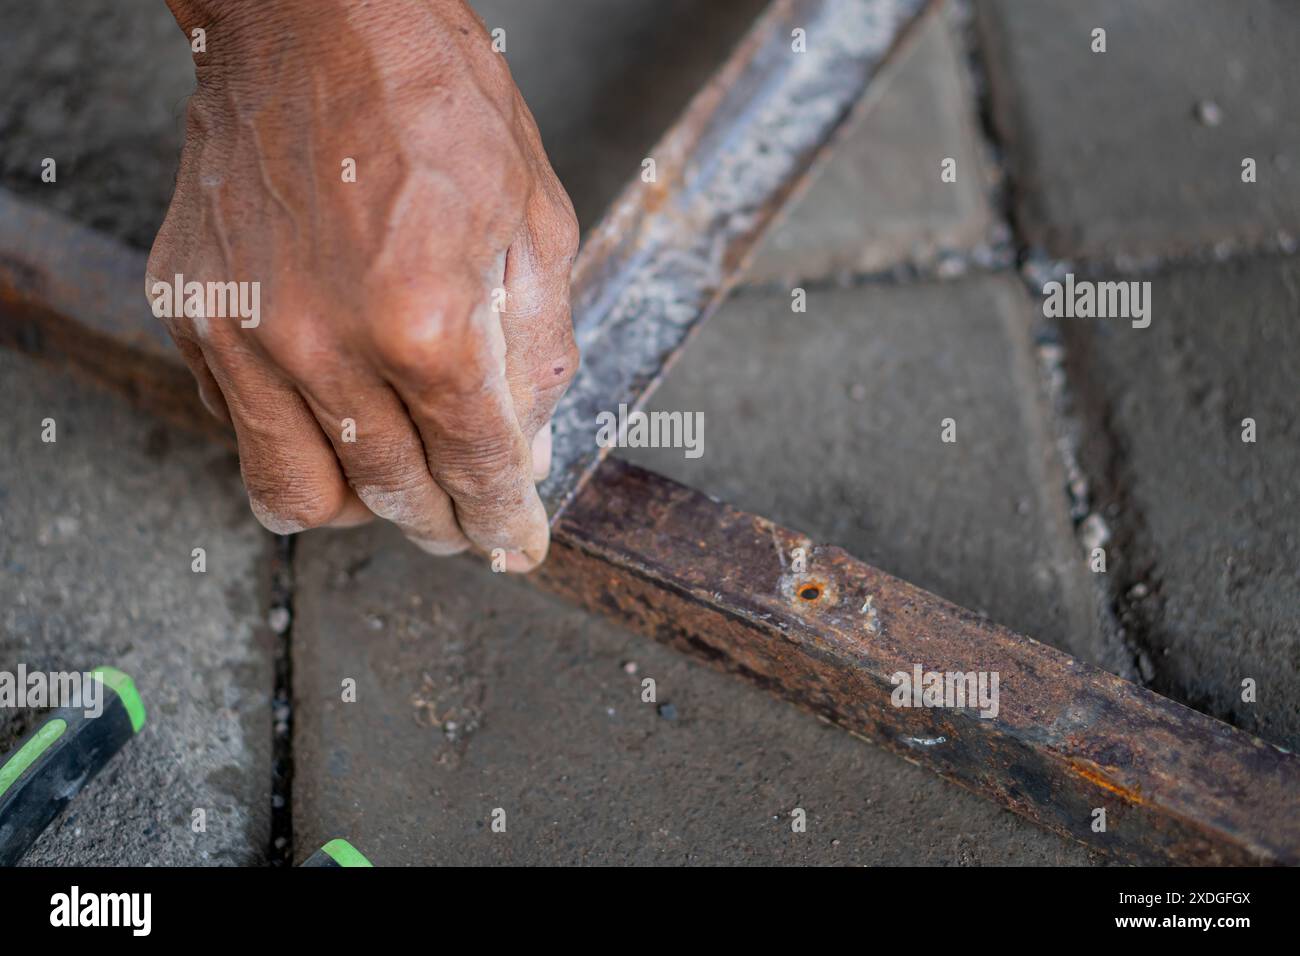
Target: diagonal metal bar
x,y
669,250
1067,738
74,296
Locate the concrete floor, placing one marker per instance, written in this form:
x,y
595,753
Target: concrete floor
x,y
477,693
97,530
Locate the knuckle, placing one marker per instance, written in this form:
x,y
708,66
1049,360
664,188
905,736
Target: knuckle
x,y
558,233
285,492
485,471
398,502
554,373
411,349
395,489
286,511
415,340
566,363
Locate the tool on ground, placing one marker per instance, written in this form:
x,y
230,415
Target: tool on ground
x,y
59,757
337,853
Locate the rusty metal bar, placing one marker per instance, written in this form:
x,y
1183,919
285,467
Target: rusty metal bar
x,y
74,296
669,250
1067,739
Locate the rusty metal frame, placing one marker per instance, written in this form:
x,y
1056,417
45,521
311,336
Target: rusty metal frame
x,y
717,583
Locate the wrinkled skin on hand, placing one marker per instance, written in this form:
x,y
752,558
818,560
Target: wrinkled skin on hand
x,y
376,296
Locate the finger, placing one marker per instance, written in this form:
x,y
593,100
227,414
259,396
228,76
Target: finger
x,y
209,391
290,471
383,457
460,403
187,344
541,355
542,442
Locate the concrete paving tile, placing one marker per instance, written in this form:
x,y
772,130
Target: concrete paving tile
x,y
96,534
879,201
1138,151
101,88
1205,552
475,692
104,93
830,422
605,78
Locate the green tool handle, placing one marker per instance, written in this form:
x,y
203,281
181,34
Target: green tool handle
x,y
58,758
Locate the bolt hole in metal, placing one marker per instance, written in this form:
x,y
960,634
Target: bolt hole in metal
x,y
808,592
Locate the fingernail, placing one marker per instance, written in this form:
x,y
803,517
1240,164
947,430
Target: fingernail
x,y
521,562
542,443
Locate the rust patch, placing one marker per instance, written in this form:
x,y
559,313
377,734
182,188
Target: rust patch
x,y
656,195
1095,776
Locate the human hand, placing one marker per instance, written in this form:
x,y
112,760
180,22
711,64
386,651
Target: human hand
x,y
377,297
